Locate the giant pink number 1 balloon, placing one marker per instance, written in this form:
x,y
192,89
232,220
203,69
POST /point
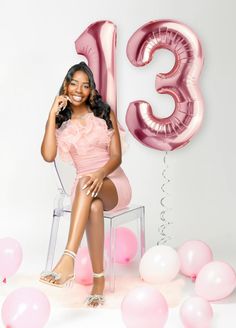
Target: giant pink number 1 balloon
x,y
176,130
98,44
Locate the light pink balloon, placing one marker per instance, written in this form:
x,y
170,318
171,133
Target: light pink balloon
x,y
181,83
126,245
10,257
83,267
215,281
144,307
196,312
194,254
26,308
159,265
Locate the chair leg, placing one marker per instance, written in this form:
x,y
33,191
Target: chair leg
x,y
142,232
111,264
52,242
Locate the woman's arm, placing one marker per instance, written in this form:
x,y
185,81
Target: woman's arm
x,y
115,150
49,145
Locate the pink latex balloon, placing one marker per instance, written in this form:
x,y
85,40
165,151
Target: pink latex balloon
x,y
144,307
10,257
193,255
196,312
83,267
215,281
126,245
176,130
159,265
26,308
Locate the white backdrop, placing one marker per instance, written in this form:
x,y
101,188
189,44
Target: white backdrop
x,y
37,49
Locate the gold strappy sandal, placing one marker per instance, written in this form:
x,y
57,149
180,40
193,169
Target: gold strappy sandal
x,y
57,276
95,297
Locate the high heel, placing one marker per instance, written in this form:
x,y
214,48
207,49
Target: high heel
x,y
57,276
95,297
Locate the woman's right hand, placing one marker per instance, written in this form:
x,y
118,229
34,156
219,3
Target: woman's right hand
x,y
59,104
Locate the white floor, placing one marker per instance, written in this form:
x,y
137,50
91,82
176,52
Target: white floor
x,y
68,311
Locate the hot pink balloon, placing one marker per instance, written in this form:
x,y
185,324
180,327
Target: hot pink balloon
x,y
10,257
196,312
181,83
83,267
193,255
144,307
215,281
126,245
26,308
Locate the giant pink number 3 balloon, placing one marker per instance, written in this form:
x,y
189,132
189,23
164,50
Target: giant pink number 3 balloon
x,y
176,130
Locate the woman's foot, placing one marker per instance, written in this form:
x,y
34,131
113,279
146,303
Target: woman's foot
x,y
98,287
65,269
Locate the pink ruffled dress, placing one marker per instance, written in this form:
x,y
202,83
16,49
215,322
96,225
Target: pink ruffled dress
x,y
85,143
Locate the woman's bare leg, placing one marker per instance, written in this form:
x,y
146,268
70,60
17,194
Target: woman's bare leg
x,y
95,233
95,239
79,217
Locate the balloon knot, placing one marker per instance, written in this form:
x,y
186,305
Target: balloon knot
x,y
193,278
4,281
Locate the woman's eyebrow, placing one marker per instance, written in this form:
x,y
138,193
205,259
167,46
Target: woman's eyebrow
x,y
78,81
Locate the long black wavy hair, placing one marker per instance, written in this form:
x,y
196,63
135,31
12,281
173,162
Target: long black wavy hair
x,y
94,101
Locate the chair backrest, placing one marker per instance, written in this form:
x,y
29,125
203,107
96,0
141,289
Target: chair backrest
x,y
65,174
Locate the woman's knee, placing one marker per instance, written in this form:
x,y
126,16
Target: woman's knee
x,y
96,208
82,181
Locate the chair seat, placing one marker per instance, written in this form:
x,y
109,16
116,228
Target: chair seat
x,y
110,214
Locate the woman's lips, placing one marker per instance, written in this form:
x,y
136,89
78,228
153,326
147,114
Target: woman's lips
x,y
76,98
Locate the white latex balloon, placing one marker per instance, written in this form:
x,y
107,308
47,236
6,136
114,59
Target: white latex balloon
x,y
160,264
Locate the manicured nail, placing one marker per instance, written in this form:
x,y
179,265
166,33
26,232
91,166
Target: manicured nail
x,y
92,194
84,187
88,192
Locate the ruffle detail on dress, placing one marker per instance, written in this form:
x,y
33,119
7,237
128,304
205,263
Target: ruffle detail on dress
x,y
64,137
76,137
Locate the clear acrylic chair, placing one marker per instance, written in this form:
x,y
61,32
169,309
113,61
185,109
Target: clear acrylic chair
x,y
62,206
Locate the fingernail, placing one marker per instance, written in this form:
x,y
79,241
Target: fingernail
x,y
84,187
92,194
95,194
88,192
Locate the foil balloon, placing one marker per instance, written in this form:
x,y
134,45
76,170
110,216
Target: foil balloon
x,y
181,83
98,44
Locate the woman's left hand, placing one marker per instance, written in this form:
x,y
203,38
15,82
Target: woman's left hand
x,y
94,184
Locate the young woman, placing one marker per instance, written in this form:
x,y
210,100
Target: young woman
x,y
83,130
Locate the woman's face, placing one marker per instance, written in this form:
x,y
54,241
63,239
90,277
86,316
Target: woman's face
x,y
78,89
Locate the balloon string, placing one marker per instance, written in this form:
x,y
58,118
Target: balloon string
x,y
164,236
